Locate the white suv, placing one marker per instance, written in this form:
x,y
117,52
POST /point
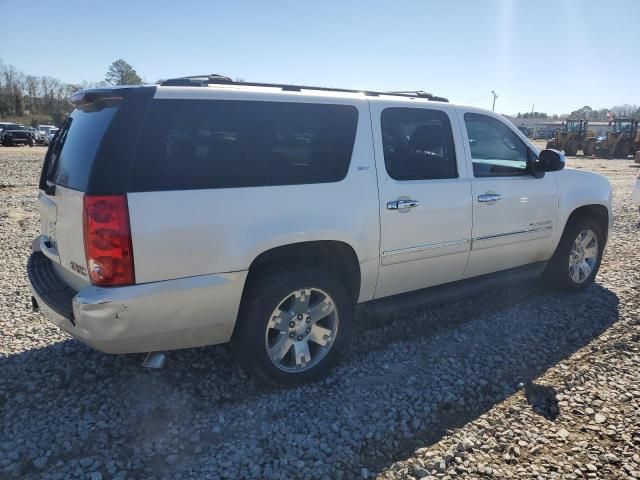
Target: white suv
x,y
204,211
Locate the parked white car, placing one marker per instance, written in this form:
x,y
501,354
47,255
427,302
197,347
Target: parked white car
x,y
204,211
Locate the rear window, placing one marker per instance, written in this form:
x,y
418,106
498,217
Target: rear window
x,y
196,144
72,154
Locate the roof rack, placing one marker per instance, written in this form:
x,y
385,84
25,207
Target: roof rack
x,y
205,80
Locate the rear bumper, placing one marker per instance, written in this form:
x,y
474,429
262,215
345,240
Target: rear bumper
x,y
167,315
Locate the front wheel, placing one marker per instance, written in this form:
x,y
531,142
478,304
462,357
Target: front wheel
x,y
576,261
292,325
571,149
589,149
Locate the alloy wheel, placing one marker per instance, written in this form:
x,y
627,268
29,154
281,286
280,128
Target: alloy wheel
x,y
301,330
583,256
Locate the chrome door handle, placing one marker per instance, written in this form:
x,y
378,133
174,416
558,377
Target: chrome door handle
x,y
402,204
489,198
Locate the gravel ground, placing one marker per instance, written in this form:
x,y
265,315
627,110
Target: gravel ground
x,y
529,383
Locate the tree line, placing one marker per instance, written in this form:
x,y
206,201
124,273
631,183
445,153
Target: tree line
x,y
40,99
591,114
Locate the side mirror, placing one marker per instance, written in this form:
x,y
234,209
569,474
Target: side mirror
x,y
549,160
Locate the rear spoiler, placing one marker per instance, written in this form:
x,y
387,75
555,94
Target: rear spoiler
x,y
98,95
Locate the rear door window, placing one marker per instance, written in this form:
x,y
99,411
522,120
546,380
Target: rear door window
x,y
70,157
201,144
418,144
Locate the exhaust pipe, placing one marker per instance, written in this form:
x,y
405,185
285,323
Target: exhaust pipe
x,y
155,360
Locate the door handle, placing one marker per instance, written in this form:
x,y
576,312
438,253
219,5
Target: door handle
x,y
489,198
402,204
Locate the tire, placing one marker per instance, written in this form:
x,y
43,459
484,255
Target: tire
x,y
630,150
571,149
562,267
589,149
258,333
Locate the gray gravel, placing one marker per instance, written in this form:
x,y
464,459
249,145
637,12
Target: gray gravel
x,y
523,382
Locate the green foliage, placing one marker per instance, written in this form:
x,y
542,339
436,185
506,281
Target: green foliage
x,y
121,73
533,115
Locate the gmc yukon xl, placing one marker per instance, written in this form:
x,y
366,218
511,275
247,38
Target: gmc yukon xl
x,y
204,211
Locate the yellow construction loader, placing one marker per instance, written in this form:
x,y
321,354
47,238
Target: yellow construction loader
x,y
622,141
573,136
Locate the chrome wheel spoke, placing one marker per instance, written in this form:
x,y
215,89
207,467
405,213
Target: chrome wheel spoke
x,y
585,269
321,310
320,335
574,271
300,302
303,356
587,237
280,320
280,348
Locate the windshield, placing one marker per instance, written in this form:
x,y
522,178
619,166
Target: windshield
x,y
573,126
16,127
623,126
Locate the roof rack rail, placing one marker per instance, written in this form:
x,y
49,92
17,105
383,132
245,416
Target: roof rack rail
x,y
204,80
419,93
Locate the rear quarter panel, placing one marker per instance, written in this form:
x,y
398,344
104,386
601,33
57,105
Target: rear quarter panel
x,y
195,232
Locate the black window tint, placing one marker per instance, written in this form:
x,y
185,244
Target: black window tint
x,y
196,144
418,144
71,156
496,150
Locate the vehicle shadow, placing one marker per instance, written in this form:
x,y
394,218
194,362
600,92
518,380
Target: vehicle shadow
x,y
404,381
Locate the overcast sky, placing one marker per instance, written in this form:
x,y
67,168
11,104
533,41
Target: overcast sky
x,y
556,54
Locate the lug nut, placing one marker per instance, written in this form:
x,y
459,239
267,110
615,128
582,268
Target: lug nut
x,y
292,324
291,335
308,329
308,319
299,337
299,316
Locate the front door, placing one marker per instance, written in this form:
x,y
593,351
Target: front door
x,y
514,213
425,195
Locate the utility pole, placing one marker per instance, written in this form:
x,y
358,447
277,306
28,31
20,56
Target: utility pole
x,y
532,107
495,95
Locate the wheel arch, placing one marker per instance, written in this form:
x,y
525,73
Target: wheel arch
x,y
338,256
597,211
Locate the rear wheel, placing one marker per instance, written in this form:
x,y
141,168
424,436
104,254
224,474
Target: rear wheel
x,y
552,144
576,261
292,325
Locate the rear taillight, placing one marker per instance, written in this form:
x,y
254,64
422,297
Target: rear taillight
x,y
107,240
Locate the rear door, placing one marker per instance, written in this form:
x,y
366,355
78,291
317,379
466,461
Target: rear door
x,y
425,195
65,179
